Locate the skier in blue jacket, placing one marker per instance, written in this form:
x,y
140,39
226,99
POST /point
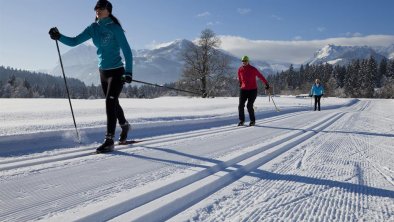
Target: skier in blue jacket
x,y
109,38
317,91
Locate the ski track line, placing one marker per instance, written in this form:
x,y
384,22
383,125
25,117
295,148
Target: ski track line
x,y
283,208
87,151
71,200
80,152
165,202
360,142
282,199
365,157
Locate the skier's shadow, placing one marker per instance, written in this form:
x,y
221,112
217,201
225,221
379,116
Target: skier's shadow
x,y
261,174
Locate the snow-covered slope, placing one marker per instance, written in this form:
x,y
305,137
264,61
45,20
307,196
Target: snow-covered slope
x,y
343,55
194,164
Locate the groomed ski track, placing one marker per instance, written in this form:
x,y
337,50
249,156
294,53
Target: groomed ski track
x,y
171,177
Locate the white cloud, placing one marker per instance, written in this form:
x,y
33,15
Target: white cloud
x,y
244,11
275,17
295,52
353,34
213,23
321,29
155,44
204,14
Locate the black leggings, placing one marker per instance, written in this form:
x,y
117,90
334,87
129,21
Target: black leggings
x,y
249,95
112,87
317,102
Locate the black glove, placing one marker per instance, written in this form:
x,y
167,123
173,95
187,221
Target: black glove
x,y
127,77
310,95
267,86
54,33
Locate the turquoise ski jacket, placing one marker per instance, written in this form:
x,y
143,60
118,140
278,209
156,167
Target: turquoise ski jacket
x,y
317,90
109,38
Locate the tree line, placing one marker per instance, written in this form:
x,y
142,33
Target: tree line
x,y
16,83
208,70
360,79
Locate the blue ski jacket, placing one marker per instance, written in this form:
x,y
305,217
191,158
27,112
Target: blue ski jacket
x,y
317,90
109,38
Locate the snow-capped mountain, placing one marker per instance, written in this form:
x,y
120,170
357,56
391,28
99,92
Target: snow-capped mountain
x,y
158,65
343,55
80,63
163,64
388,52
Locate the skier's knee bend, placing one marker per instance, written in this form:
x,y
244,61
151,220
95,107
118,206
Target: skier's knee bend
x,y
111,100
250,106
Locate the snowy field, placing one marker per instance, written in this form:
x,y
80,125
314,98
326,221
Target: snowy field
x,y
194,164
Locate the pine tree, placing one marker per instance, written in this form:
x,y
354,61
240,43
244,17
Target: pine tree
x,y
352,83
372,75
390,69
382,70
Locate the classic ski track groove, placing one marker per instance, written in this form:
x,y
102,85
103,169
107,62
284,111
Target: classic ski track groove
x,y
71,200
172,197
230,169
67,155
309,203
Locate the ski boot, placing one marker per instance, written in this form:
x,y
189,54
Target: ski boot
x,y
107,146
252,123
123,135
241,123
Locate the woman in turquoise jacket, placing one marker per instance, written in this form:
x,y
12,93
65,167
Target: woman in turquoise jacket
x,y
108,36
317,91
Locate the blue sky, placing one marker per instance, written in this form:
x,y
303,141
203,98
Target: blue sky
x,y
261,28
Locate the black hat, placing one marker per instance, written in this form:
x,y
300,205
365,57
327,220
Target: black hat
x,y
103,4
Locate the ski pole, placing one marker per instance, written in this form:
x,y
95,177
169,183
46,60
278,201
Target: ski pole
x,y
277,109
68,93
157,85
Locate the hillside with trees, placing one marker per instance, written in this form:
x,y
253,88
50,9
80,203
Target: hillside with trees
x,y
359,79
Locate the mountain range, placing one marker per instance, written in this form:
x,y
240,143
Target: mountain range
x,y
164,64
160,65
343,55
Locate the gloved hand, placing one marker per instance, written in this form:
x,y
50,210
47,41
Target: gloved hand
x,y
310,95
127,77
267,86
54,33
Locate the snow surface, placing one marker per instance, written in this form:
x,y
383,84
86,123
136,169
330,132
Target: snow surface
x,y
194,164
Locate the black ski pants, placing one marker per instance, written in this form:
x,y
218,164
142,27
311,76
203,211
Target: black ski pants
x,y
317,102
250,96
112,85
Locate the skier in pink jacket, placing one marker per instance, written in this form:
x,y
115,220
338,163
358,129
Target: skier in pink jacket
x,y
247,81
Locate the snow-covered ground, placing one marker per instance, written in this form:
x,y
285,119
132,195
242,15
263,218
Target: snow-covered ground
x,y
194,164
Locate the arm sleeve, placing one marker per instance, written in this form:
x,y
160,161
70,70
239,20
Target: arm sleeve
x,y
239,78
73,41
124,45
260,76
